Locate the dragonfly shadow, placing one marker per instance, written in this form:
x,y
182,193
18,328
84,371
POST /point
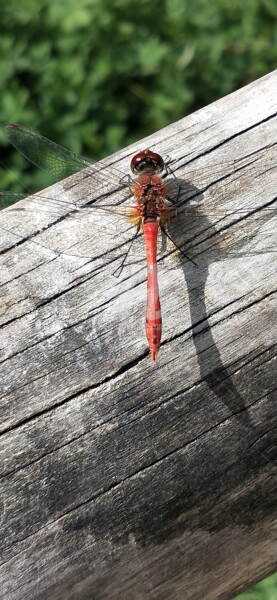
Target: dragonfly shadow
x,y
196,235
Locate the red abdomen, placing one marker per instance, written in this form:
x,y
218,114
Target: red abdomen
x,y
153,310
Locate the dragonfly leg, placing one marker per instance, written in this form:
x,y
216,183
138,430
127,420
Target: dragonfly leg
x,y
119,269
126,180
176,246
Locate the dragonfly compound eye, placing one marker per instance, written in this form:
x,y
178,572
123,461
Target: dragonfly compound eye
x,y
146,160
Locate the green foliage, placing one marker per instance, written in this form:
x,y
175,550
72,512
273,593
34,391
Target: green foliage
x,y
95,75
265,590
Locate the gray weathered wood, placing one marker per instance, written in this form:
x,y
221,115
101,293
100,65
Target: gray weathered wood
x,y
122,479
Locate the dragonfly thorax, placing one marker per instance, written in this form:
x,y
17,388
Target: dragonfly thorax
x,y
149,187
150,210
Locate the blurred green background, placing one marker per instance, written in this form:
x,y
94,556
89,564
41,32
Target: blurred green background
x,y
265,590
95,75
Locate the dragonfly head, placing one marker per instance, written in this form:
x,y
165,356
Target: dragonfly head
x,y
147,161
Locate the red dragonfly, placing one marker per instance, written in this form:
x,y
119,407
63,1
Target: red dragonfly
x,y
157,201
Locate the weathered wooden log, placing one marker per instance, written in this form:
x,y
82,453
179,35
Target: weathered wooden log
x,y
122,478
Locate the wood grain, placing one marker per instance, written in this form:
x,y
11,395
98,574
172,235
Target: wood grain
x,y
121,479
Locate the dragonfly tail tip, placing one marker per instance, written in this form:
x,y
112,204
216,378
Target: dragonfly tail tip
x,y
154,354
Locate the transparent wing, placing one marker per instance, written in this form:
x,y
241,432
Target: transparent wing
x,y
99,182
44,153
49,156
199,228
215,235
195,233
9,198
227,209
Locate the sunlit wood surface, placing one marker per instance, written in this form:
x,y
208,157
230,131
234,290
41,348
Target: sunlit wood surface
x,y
123,479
